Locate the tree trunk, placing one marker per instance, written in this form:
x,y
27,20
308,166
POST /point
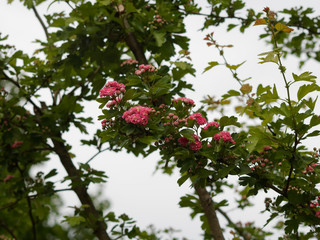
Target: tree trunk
x,y
210,213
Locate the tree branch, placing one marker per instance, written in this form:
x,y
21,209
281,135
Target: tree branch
x,y
2,224
233,225
133,43
210,213
93,216
41,22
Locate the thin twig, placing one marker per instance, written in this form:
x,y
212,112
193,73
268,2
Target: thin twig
x,y
233,225
100,151
41,22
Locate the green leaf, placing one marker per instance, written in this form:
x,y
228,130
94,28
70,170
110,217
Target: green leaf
x,y
306,89
52,173
160,38
74,220
187,133
306,76
231,93
234,67
227,121
184,178
272,56
211,65
147,140
282,27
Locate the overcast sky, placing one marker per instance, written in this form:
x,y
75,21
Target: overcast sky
x,y
133,188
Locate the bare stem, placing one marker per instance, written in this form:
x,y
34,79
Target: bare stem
x,y
100,151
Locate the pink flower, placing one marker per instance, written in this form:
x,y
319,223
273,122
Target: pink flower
x,y
103,123
129,62
7,178
112,88
317,214
145,68
199,119
16,144
137,115
215,124
195,146
183,141
184,100
225,136
113,103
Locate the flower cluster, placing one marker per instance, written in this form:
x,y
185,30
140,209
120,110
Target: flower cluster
x,y
113,103
129,62
215,124
194,146
112,89
198,118
184,100
310,168
225,136
259,162
16,144
137,115
145,68
315,204
107,123
157,21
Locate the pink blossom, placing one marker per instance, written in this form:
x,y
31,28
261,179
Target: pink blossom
x,y
129,62
215,124
145,68
195,146
137,115
7,178
184,100
199,119
317,214
112,88
113,102
196,137
183,141
103,123
16,144
225,136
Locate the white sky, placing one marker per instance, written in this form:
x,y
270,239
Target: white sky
x,y
132,187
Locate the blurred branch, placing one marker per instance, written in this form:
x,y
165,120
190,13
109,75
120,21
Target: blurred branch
x,y
233,225
2,224
41,22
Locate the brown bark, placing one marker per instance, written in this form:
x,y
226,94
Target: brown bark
x,y
92,214
210,213
133,44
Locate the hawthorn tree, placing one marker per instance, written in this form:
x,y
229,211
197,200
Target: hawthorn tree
x,y
120,54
